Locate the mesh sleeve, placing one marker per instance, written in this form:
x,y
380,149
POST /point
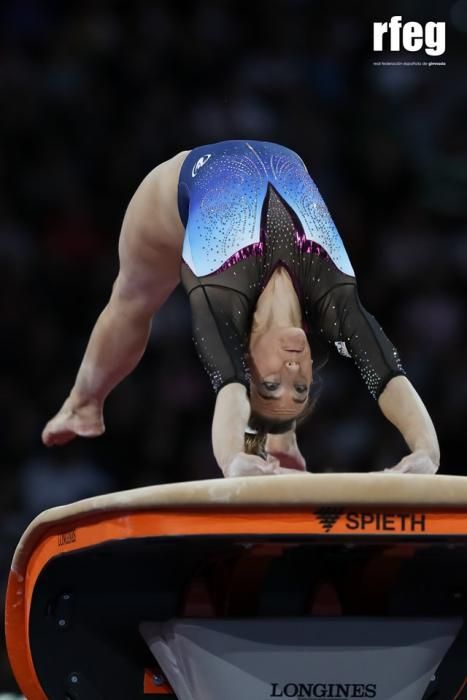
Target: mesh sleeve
x,y
355,333
220,320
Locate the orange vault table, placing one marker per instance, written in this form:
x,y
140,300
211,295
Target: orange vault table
x,y
302,586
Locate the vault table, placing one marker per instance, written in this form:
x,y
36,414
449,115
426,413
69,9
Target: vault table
x,y
119,596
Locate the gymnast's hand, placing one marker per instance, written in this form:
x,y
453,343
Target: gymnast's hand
x,y
76,417
284,448
253,465
418,462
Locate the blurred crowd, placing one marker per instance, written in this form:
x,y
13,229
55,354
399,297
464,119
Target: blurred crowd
x,y
93,96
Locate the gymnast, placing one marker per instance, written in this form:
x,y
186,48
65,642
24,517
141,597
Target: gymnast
x,y
242,225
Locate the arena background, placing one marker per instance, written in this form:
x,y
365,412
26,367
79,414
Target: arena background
x,y
93,95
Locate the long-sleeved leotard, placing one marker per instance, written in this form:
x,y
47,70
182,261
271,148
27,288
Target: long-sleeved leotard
x,y
249,206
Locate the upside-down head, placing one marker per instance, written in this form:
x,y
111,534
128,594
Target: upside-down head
x,y
281,374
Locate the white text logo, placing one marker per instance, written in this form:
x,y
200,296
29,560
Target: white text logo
x,y
414,36
199,164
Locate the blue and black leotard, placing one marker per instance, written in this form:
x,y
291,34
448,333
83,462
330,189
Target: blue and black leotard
x,y
249,206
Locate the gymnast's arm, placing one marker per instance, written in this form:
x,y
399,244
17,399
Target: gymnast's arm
x,y
347,322
231,415
403,407
149,271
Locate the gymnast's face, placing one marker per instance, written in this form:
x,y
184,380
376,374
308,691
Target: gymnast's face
x,y
281,371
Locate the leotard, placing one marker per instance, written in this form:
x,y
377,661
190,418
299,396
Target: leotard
x,y
247,207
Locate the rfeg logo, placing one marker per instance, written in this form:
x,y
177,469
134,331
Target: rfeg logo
x,y
413,36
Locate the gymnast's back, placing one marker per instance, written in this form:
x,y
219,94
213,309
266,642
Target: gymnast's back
x,y
222,199
224,195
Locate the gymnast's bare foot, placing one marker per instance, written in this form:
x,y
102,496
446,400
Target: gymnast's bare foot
x,y
75,418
